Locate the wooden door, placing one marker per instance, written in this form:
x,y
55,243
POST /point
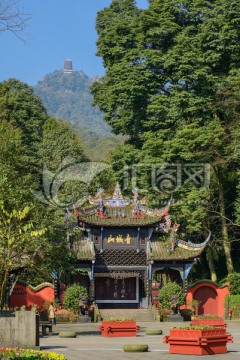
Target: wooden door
x,y
208,299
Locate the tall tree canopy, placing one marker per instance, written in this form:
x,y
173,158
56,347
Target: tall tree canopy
x,y
171,71
22,117
32,235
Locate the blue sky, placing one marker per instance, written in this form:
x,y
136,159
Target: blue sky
x,y
57,30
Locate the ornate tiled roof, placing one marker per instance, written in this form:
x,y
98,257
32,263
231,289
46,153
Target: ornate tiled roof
x,y
162,251
120,211
84,249
120,217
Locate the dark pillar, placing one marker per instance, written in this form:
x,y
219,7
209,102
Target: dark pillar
x,y
101,240
138,239
184,278
57,289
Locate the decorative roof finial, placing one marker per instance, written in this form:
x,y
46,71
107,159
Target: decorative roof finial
x,y
135,195
117,195
117,198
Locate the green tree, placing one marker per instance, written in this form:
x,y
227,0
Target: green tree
x,y
29,139
59,141
169,85
22,116
234,284
20,242
73,295
169,290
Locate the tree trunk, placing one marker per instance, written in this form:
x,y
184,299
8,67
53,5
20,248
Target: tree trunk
x,y
225,237
211,263
3,287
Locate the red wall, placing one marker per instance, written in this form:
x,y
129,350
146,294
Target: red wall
x,y
23,295
211,297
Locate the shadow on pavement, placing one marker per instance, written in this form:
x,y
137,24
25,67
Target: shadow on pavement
x,y
52,347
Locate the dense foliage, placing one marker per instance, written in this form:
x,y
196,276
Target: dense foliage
x,y
232,302
73,295
167,292
172,85
33,244
234,284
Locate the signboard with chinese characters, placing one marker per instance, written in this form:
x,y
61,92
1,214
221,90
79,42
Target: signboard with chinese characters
x,y
110,290
116,238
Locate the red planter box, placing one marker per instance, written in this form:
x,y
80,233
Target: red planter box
x,y
198,342
119,328
209,322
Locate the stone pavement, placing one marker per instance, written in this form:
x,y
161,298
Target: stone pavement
x,y
90,345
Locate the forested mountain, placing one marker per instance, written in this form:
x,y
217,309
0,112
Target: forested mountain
x,y
67,96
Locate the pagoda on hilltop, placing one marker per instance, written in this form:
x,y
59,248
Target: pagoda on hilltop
x,y
122,249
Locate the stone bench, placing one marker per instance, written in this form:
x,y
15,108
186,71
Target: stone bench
x,y
45,326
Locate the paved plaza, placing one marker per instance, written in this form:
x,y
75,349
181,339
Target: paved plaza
x,y
90,345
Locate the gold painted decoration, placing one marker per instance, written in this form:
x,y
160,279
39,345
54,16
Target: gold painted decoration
x,y
119,239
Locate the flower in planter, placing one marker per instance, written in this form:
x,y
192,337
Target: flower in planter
x,y
198,340
119,327
207,317
119,319
195,327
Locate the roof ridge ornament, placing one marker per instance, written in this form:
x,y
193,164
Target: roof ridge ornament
x,y
117,199
192,246
117,195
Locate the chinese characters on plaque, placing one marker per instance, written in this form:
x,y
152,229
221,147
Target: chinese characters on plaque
x,y
119,239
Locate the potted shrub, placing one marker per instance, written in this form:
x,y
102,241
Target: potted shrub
x,y
73,317
210,320
63,315
164,314
115,327
73,295
193,305
198,340
169,291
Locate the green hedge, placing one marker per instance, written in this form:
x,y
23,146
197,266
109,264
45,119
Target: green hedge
x,y
62,318
113,319
234,286
232,302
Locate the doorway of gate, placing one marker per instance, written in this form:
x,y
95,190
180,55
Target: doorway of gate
x,y
208,300
210,296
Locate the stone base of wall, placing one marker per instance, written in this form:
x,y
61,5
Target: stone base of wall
x,y
19,328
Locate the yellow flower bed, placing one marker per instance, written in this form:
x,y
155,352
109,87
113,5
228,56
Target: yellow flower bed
x,y
19,353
